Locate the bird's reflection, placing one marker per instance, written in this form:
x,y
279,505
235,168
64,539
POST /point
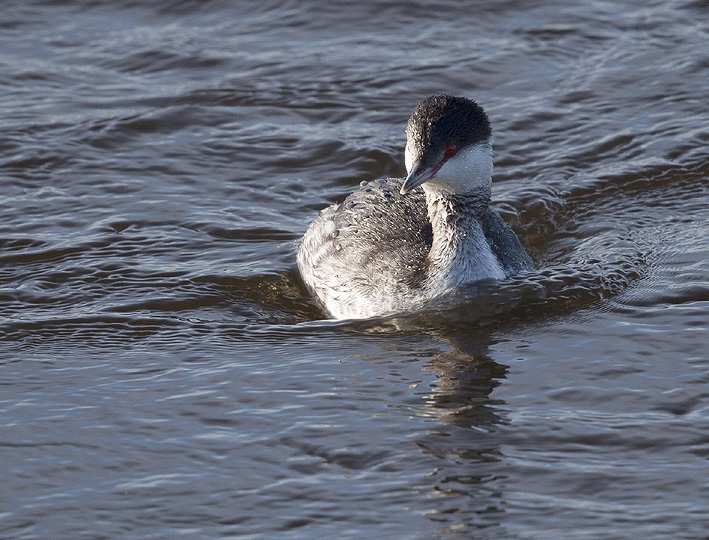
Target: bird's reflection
x,y
464,490
466,483
461,395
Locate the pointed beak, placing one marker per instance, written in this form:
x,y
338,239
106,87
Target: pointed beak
x,y
418,175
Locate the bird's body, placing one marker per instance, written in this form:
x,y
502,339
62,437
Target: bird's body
x,y
385,249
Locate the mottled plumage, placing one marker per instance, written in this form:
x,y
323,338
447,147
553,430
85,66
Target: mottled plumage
x,y
380,251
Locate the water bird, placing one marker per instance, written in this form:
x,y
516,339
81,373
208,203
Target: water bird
x,y
395,244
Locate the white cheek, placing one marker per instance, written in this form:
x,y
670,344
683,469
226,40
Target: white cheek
x,y
408,160
470,169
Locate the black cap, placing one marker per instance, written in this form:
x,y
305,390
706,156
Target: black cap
x,y
440,121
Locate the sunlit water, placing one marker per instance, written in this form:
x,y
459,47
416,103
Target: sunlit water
x,y
164,373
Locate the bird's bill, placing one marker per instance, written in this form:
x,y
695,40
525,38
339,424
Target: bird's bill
x,y
418,175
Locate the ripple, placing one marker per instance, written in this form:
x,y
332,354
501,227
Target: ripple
x,y
164,371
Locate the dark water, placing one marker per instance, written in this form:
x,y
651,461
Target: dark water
x,y
164,374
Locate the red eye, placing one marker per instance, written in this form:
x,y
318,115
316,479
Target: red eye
x,y
451,150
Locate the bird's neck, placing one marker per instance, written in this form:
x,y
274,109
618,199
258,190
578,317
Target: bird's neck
x,y
459,252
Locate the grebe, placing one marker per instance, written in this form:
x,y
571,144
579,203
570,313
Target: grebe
x,y
390,247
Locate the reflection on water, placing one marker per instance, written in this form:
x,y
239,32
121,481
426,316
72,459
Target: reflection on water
x,y
463,483
462,394
456,423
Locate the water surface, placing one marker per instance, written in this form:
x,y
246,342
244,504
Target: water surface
x,y
164,373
